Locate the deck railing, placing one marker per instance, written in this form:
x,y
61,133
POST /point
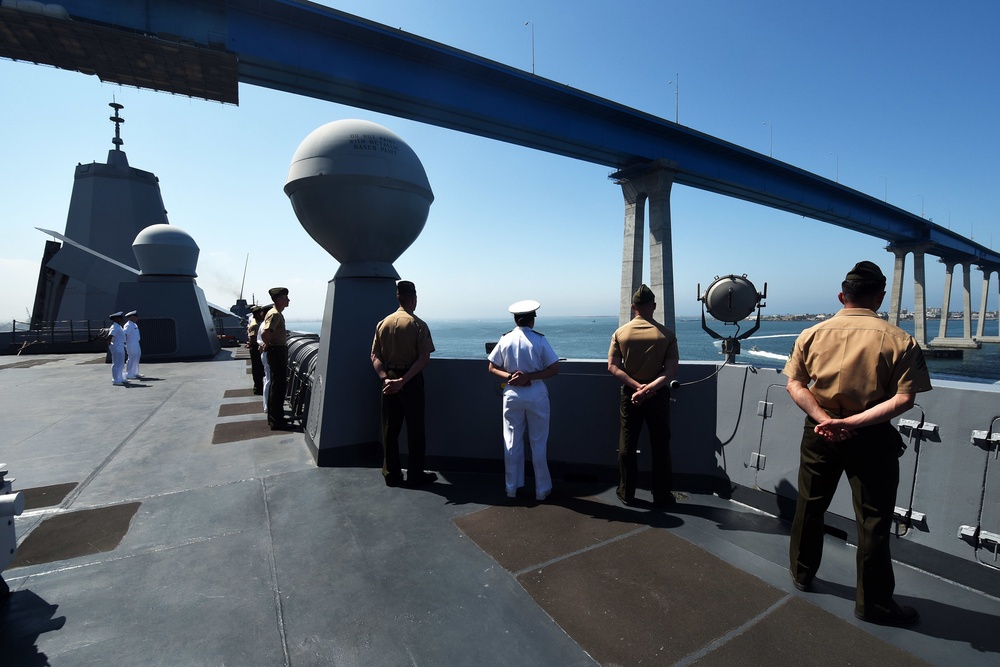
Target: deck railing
x,y
58,331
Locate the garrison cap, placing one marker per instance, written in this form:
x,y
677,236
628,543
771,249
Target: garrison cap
x,y
131,313
524,307
866,271
405,287
114,315
643,295
275,292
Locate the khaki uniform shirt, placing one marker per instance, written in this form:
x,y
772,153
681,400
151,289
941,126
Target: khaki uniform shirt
x,y
645,346
252,328
856,360
274,322
401,339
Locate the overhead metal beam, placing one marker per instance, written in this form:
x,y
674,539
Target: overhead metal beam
x,y
163,62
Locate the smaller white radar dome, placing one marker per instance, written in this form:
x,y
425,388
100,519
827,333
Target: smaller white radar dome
x,y
165,250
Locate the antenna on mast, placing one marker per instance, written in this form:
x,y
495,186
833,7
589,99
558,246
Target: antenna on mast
x,y
117,120
242,284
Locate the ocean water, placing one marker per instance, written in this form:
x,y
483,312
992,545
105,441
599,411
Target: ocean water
x,y
589,338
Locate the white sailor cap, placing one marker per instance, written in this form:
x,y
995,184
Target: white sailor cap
x,y
526,306
131,313
114,315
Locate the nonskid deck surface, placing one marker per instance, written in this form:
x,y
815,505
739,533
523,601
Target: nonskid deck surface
x,y
167,525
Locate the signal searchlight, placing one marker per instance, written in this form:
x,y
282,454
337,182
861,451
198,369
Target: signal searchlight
x,y
731,299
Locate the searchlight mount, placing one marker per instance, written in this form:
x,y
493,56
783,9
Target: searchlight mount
x,y
731,299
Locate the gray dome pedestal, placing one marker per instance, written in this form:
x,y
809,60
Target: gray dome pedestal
x,y
360,192
344,425
174,316
368,270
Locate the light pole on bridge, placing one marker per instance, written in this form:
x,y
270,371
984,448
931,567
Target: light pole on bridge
x,y
532,24
677,97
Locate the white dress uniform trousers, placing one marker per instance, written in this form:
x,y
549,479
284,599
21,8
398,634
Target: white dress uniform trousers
x,y
133,349
526,410
117,354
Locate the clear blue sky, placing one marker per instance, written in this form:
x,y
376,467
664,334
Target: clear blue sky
x,y
893,98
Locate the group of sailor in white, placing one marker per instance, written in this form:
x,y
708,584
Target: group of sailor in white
x,y
124,340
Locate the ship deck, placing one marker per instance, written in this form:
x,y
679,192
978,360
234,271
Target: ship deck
x,y
166,525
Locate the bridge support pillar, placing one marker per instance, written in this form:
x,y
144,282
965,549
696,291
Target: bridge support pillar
x,y
919,299
949,270
635,227
919,289
647,186
988,271
966,341
967,300
980,325
896,296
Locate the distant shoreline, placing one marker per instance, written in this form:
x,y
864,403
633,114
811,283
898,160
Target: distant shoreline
x,y
991,315
793,317
817,317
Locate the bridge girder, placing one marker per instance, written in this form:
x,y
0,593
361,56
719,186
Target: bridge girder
x,y
306,49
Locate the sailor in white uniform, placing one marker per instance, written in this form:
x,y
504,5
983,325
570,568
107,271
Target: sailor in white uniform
x,y
116,344
132,345
524,359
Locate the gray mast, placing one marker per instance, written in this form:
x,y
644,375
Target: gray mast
x,y
110,204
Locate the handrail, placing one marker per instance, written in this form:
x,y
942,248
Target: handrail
x,y
56,330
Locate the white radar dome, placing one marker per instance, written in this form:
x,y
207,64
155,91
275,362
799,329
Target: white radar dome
x,y
165,250
360,191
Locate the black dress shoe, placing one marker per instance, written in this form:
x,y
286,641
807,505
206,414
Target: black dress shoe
x,y
667,500
626,501
415,479
804,587
898,616
393,479
280,426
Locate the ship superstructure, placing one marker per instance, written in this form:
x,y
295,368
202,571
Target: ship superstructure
x,y
111,203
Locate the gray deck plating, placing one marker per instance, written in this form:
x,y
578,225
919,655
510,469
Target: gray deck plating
x,y
245,553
